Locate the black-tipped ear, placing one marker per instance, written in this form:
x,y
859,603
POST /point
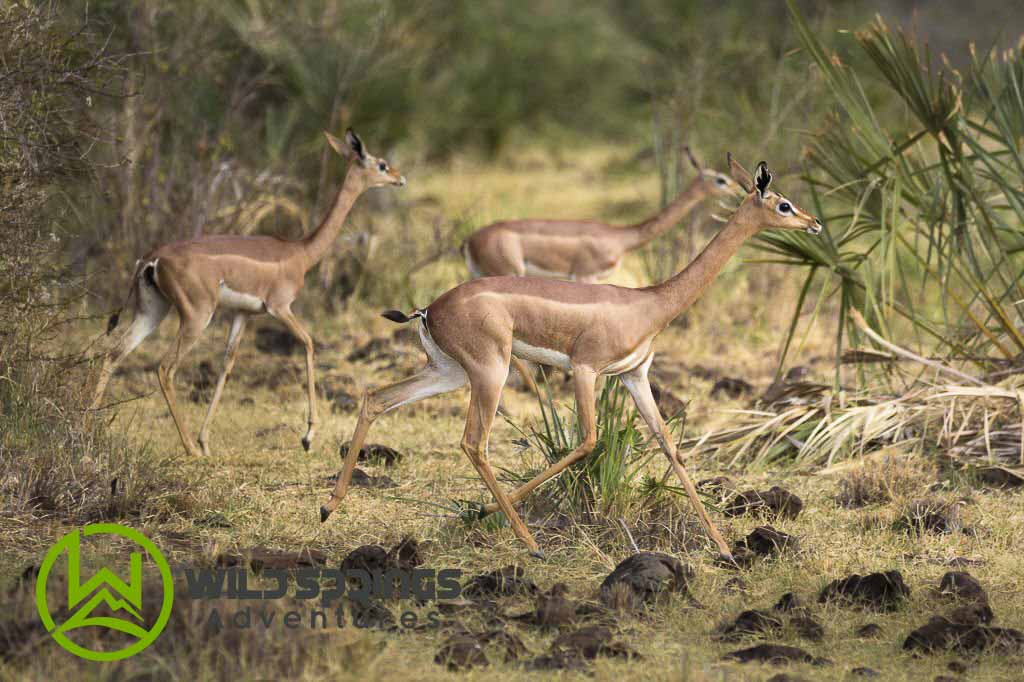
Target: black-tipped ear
x,y
396,316
762,178
693,159
355,143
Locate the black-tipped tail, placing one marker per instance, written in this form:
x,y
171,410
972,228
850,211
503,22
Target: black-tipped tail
x,y
400,317
112,322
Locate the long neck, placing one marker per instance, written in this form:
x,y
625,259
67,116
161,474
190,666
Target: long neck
x,y
677,294
679,208
316,243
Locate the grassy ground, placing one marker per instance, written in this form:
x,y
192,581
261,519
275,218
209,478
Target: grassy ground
x,y
268,490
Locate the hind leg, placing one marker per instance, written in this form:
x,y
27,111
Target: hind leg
x,y
436,378
230,353
150,310
191,329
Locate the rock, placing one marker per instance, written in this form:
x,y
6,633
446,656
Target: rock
x,y
930,516
507,581
808,628
763,541
552,609
868,630
369,558
957,667
361,479
865,672
374,453
749,623
970,614
732,387
466,650
644,578
668,403
341,400
787,602
590,642
942,634
884,591
406,555
275,341
369,351
557,661
776,654
773,502
372,614
962,586
1000,477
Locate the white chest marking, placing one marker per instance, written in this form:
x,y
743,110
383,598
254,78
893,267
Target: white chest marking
x,y
236,300
542,356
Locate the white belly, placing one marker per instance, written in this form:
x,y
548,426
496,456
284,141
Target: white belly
x,y
537,271
542,356
236,300
631,361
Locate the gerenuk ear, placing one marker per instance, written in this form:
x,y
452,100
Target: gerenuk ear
x,y
762,178
355,144
693,159
740,174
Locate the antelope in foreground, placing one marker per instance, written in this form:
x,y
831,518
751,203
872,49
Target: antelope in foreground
x,y
471,332
580,250
249,275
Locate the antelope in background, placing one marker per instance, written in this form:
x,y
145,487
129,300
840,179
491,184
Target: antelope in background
x,y
471,332
248,275
580,250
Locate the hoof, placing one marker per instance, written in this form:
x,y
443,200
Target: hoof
x,y
726,559
538,554
324,513
306,442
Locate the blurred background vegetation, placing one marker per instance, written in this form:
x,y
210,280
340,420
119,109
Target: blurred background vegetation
x,y
129,124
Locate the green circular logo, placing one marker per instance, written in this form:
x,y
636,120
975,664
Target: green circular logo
x,y
107,589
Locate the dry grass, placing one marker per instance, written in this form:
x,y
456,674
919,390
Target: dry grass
x,y
267,490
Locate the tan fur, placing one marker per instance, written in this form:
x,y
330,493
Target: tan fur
x,y
249,274
600,329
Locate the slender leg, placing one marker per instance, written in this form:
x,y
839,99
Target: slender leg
x,y
230,353
640,388
188,334
525,370
150,310
584,379
298,331
483,404
434,379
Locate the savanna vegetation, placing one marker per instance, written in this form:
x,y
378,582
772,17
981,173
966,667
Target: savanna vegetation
x,y
873,371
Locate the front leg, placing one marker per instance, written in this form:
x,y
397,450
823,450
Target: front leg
x,y
286,316
639,387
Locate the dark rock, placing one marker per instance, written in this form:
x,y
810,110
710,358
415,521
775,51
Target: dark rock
x,y
732,387
884,591
361,479
370,351
466,650
341,400
507,581
552,609
787,602
865,672
749,623
372,615
590,642
962,586
668,404
644,578
868,630
374,453
369,558
970,614
206,379
773,502
929,516
942,634
763,541
557,661
808,628
776,654
406,555
957,667
1000,477
275,341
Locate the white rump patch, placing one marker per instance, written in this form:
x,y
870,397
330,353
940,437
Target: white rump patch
x,y
542,356
236,300
442,374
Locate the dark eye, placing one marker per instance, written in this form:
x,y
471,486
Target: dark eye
x,y
383,166
720,182
784,207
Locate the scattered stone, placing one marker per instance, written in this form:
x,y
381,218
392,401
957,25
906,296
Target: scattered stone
x,y
644,578
732,387
1000,477
930,516
776,654
407,554
971,614
369,351
275,341
466,650
865,672
773,502
883,591
785,677
369,558
507,581
206,379
962,586
957,667
372,614
374,453
748,623
942,634
808,628
341,400
552,609
590,642
868,630
361,479
260,558
787,602
763,541
557,661
668,403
